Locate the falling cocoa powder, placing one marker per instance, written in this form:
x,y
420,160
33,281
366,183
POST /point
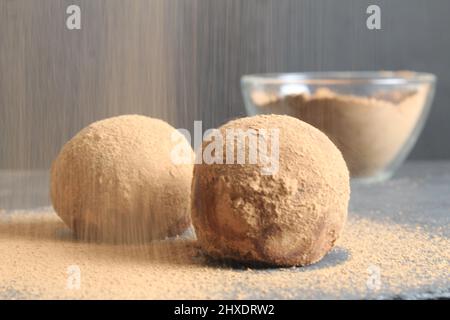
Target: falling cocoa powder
x,y
115,181
369,131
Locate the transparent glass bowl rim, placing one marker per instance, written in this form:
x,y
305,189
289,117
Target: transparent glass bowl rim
x,y
340,78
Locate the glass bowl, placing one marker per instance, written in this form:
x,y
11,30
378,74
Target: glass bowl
x,y
374,118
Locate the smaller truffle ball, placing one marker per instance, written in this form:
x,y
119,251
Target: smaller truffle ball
x,y
290,217
115,181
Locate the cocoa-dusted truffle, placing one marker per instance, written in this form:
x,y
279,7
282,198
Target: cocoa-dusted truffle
x,y
291,217
115,181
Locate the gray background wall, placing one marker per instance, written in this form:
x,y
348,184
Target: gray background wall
x,y
181,60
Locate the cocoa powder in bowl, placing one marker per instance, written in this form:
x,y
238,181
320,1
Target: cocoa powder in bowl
x,y
369,131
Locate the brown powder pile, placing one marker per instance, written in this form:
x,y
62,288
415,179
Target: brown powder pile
x,y
373,259
370,132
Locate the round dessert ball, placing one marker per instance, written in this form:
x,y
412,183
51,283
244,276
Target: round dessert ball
x,y
290,215
115,181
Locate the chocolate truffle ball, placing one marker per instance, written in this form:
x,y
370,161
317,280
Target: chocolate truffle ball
x,y
292,216
115,181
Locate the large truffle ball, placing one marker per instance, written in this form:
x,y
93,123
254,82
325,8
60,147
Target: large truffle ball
x,y
291,217
115,181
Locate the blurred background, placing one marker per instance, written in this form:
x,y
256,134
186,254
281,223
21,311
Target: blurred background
x,y
181,60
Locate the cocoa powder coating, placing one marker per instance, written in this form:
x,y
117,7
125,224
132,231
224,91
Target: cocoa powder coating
x,y
293,217
114,181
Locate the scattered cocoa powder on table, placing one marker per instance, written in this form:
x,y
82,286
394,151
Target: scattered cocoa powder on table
x,y
36,250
